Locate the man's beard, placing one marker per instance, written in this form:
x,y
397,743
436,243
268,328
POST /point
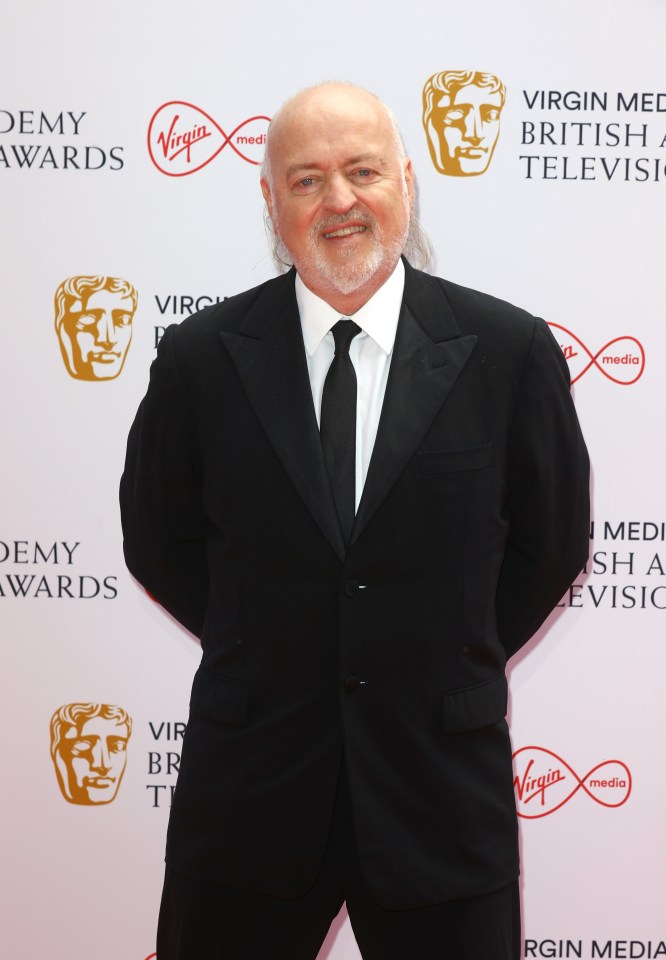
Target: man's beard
x,y
357,269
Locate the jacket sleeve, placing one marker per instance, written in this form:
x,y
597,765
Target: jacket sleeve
x,y
547,496
164,525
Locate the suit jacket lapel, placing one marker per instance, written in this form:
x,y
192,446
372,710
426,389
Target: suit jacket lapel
x,y
269,356
428,356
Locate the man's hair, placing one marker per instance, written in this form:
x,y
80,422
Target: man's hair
x,y
76,714
450,81
418,249
80,288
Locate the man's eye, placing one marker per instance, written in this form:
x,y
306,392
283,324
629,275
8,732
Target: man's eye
x,y
365,173
122,320
306,182
453,115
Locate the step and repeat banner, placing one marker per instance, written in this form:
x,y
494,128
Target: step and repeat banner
x,y
130,139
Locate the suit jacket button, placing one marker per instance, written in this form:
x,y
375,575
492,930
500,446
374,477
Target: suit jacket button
x,y
351,588
350,684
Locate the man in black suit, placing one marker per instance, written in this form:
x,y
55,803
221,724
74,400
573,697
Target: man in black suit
x,y
361,541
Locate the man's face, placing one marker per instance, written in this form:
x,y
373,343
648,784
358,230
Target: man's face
x,y
340,195
99,329
94,757
463,130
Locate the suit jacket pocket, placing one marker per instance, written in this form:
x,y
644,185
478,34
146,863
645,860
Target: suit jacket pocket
x,y
478,706
219,698
449,461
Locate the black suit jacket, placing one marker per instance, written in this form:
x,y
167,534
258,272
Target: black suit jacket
x,y
391,653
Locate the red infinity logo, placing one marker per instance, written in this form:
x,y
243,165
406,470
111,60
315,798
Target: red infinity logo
x,y
544,782
621,360
183,138
151,956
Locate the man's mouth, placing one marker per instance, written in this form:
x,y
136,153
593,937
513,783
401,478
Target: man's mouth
x,y
344,231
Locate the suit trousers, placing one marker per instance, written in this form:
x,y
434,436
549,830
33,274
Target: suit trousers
x,y
202,920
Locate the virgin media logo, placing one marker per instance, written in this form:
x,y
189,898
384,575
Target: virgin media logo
x,y
544,782
621,360
183,138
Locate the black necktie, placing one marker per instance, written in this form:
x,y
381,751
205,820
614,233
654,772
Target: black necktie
x,y
338,424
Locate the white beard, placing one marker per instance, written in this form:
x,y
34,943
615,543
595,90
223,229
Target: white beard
x,y
358,269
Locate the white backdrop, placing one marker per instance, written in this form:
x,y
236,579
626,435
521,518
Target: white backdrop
x,y
571,231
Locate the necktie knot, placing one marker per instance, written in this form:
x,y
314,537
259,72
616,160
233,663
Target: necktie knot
x,y
344,332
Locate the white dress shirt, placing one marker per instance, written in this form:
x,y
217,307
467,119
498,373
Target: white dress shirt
x,y
370,354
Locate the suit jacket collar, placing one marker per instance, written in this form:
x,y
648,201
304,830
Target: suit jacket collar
x,y
428,356
270,360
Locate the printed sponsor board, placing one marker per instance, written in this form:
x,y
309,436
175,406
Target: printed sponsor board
x,y
544,782
593,136
89,751
51,140
621,360
461,119
596,948
93,323
182,138
622,551
50,570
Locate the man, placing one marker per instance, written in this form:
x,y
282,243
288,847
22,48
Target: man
x,y
94,325
461,118
89,750
347,738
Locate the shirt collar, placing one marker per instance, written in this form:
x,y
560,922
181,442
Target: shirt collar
x,y
378,318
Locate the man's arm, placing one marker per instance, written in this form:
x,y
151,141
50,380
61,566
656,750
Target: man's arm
x,y
160,496
548,496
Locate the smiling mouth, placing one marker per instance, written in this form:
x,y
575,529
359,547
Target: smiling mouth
x,y
345,231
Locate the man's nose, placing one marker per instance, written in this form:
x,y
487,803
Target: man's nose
x,y
106,331
339,196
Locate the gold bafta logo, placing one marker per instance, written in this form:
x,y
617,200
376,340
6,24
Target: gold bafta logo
x,y
93,321
461,118
88,749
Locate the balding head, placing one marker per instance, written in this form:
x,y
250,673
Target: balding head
x,y
322,96
339,191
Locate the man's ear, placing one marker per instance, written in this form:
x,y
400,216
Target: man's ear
x,y
409,180
268,196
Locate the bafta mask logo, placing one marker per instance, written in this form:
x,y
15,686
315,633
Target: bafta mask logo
x,y
461,118
93,321
88,748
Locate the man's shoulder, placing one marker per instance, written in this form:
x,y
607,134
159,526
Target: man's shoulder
x,y
475,304
230,314
473,307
